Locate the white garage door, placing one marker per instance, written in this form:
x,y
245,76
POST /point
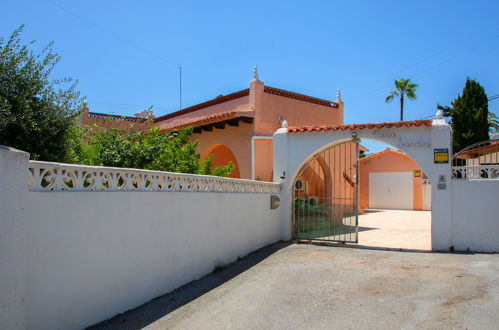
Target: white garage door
x,y
391,190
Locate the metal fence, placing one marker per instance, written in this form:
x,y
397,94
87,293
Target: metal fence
x,y
479,161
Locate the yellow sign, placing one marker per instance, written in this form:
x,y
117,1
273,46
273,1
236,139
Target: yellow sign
x,y
417,173
441,156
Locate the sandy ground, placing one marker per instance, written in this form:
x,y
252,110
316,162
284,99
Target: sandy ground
x,y
396,229
295,286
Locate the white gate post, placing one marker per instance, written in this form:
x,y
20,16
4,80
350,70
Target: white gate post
x,y
441,192
282,175
13,195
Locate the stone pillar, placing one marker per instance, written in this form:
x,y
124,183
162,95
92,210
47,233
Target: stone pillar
x,y
256,95
282,175
83,120
441,199
13,197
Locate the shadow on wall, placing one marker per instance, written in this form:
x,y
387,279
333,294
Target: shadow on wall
x,y
159,307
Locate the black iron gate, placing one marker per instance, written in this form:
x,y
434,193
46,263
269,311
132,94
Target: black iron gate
x,y
325,195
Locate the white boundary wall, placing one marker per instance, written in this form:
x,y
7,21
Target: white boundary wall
x,y
70,259
475,215
13,259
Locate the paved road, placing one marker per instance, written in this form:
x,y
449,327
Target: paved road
x,y
292,286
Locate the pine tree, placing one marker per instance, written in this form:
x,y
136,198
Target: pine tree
x,y
469,113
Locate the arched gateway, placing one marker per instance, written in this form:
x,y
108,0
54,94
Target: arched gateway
x,y
324,195
299,154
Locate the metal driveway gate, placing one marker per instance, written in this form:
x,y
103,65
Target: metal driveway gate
x,y
325,195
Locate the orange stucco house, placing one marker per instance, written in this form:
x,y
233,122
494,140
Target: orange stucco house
x,y
390,179
238,127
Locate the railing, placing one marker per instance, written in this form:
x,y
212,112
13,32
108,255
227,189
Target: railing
x,y
479,161
477,172
45,176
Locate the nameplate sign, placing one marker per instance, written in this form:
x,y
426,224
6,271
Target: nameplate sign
x,y
414,144
384,134
441,156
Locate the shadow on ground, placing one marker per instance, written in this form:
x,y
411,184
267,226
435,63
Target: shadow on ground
x,y
159,307
294,286
372,211
366,228
315,282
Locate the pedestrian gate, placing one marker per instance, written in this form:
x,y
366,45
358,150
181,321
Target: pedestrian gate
x,y
325,195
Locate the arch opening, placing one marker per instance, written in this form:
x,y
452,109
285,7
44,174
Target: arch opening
x,y
324,196
392,195
386,142
222,155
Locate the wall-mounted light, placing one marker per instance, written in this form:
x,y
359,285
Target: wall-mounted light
x,y
355,138
275,201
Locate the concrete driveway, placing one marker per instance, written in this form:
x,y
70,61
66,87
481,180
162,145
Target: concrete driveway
x,y
400,229
292,286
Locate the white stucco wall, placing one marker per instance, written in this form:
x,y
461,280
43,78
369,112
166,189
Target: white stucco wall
x,y
86,256
475,215
12,238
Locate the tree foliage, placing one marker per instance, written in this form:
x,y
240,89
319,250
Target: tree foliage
x,y
470,119
37,114
404,88
149,150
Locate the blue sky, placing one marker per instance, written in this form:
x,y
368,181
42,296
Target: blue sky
x,y
126,54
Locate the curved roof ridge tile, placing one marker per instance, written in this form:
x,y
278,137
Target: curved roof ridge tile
x,y
397,124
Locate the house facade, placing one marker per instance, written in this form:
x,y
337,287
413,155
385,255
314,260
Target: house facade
x,y
390,179
238,127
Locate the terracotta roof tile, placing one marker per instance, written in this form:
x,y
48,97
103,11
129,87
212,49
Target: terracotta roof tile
x,y
204,120
301,97
397,124
114,117
217,100
382,152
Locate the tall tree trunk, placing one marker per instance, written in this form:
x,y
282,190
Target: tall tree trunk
x,y
401,107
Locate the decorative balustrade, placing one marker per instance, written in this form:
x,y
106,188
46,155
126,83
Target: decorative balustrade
x,y
476,172
45,176
479,161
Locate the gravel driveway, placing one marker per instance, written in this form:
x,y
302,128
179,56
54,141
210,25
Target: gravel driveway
x,y
292,286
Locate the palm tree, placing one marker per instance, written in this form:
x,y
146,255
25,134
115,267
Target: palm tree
x,y
493,123
404,88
